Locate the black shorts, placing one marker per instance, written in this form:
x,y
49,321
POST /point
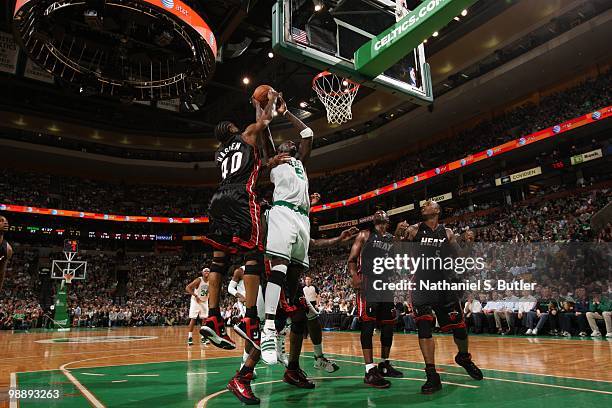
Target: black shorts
x,y
235,217
380,312
449,315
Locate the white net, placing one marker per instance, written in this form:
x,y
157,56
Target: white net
x,y
337,95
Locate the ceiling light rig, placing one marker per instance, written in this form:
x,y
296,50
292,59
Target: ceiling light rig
x,y
128,49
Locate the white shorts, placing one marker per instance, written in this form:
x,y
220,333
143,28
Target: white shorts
x,y
288,235
198,310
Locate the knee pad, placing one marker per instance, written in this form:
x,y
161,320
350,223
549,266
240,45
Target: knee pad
x,y
386,335
424,328
220,265
256,256
367,331
460,333
278,275
257,270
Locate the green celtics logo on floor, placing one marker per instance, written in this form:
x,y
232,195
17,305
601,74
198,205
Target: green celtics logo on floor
x,y
96,339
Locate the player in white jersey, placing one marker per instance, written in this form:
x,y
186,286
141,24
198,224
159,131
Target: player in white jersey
x,y
198,308
288,235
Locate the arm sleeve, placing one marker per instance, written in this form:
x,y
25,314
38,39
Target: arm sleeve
x,y
232,288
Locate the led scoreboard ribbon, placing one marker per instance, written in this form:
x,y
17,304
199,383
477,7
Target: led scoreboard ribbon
x,y
466,161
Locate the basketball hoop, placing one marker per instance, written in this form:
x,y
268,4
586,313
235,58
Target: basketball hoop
x,y
337,95
68,277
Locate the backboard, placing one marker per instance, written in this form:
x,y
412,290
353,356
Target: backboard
x,y
328,38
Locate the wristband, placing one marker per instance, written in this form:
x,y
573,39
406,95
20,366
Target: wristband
x,y
307,133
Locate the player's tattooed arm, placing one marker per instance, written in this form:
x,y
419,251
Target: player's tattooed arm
x,y
353,267
344,236
405,232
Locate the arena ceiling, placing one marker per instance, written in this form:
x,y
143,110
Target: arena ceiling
x,y
243,31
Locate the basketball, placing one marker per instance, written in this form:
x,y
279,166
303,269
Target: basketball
x,y
261,94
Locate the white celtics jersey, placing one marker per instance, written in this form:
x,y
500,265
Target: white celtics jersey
x,y
202,289
291,184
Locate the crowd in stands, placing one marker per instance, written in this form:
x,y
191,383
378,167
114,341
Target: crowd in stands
x,y
154,291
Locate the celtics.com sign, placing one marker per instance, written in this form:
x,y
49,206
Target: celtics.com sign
x,y
393,44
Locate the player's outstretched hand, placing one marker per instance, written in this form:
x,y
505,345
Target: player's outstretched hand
x,y
315,198
349,234
281,105
279,159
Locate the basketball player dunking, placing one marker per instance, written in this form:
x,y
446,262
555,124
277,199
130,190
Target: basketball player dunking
x,y
198,308
6,251
368,245
433,240
235,227
287,241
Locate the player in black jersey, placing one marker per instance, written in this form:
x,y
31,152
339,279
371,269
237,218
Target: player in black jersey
x,y
6,251
368,245
235,227
435,241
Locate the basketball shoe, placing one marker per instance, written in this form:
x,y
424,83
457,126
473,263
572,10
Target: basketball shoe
x,y
240,386
465,361
373,378
248,329
298,378
433,382
214,330
322,363
387,370
268,346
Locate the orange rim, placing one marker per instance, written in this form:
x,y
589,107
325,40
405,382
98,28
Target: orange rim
x,y
354,88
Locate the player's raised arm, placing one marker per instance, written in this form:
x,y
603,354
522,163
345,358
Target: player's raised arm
x,y
263,117
353,260
344,236
305,132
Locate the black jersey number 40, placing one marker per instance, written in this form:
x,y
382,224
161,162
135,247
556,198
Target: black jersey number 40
x,y
233,162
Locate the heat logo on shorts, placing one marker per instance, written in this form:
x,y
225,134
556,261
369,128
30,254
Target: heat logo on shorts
x,y
168,3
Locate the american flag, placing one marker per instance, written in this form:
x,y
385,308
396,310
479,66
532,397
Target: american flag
x,y
299,35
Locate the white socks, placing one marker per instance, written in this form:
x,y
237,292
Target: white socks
x,y
370,366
